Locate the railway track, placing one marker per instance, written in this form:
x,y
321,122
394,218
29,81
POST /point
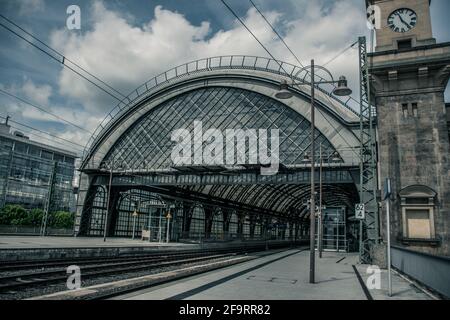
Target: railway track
x,y
42,264
34,279
34,274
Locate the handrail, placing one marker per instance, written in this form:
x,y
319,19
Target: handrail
x,y
419,253
197,66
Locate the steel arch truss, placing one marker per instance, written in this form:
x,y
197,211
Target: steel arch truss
x,y
139,158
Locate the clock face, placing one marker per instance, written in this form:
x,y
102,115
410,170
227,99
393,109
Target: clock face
x,y
402,20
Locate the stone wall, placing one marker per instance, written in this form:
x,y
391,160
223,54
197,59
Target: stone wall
x,y
414,150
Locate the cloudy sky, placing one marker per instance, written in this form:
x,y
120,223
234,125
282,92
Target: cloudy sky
x,y
126,43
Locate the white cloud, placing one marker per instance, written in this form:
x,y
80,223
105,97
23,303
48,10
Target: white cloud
x,y
39,94
125,55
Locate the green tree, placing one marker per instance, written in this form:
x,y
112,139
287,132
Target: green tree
x,y
62,219
34,217
13,215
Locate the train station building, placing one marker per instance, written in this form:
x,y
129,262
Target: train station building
x,y
224,199
131,183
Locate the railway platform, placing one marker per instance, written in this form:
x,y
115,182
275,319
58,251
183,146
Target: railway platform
x,y
284,276
278,274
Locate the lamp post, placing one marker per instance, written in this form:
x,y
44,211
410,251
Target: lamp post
x,y
320,228
135,215
284,93
108,198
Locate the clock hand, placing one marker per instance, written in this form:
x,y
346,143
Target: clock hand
x,y
404,22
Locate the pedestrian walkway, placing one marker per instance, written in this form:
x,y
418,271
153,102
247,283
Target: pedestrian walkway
x,y
281,276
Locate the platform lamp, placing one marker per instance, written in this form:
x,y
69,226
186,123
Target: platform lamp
x,y
135,205
284,93
168,217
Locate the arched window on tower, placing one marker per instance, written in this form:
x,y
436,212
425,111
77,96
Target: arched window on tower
x,y
418,205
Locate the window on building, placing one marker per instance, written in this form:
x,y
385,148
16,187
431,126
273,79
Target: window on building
x,y
415,111
410,110
418,225
47,155
58,157
418,207
20,147
405,110
404,44
6,144
69,160
34,151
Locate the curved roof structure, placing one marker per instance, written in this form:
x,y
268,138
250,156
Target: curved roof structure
x,y
242,71
134,143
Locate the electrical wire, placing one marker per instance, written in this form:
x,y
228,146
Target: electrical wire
x,y
276,32
43,110
44,132
341,53
248,29
58,144
286,45
254,36
60,54
60,61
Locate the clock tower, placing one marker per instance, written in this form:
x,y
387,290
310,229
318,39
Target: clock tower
x,y
409,72
404,23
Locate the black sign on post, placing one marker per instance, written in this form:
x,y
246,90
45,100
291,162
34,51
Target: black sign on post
x,y
387,189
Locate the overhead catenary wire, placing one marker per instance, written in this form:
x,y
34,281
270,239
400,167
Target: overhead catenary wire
x,y
340,53
62,56
276,32
281,66
290,50
44,132
254,36
61,62
43,110
56,143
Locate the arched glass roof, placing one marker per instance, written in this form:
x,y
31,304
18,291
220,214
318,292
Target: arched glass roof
x,y
147,144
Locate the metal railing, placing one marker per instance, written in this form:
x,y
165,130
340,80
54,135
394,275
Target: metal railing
x,y
430,270
204,65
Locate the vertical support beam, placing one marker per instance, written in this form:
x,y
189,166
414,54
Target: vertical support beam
x,y
312,254
48,203
7,175
369,228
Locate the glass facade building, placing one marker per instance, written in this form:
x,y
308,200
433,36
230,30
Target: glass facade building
x,y
26,171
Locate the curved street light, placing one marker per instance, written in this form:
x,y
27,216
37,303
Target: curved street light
x,y
284,93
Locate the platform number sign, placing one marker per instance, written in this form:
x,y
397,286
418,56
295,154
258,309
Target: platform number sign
x,y
360,212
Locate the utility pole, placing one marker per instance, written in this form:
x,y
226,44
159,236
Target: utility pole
x,y
341,90
8,170
135,214
7,174
320,205
160,227
48,203
312,254
368,184
105,230
169,216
